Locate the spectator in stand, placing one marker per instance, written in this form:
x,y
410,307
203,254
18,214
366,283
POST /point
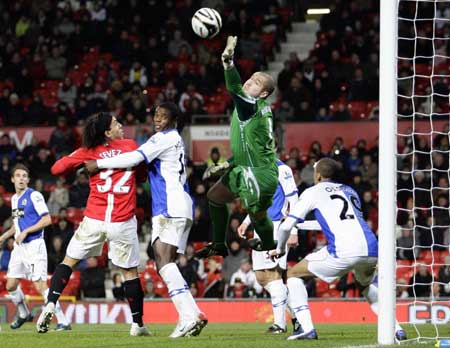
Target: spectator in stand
x,y
406,245
138,74
37,113
176,43
6,253
5,174
187,270
67,92
42,163
421,283
62,140
323,115
369,171
248,278
307,173
353,162
444,277
342,113
117,288
402,288
7,148
56,253
285,112
37,68
149,290
200,230
79,191
196,264
15,114
93,280
358,87
56,65
59,198
231,262
64,229
295,94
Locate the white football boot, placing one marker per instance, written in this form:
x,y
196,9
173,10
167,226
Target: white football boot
x,y
44,320
137,330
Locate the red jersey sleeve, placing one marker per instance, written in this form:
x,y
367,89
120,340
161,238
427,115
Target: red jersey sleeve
x,y
69,163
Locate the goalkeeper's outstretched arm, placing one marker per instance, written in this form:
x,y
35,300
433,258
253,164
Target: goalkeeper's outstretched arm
x,y
245,105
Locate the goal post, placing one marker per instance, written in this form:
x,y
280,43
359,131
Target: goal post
x,y
387,171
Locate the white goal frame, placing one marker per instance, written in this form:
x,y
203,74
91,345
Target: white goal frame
x,y
387,171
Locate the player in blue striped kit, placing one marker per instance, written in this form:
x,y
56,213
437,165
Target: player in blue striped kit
x,y
29,256
269,272
352,245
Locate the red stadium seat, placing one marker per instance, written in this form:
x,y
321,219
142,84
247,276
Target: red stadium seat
x,y
358,110
268,40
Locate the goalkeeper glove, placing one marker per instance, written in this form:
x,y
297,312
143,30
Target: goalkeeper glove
x,y
215,170
228,53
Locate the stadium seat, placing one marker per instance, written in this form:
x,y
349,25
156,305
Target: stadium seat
x,y
358,110
268,40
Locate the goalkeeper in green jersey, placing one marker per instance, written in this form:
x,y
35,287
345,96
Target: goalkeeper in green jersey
x,y
252,172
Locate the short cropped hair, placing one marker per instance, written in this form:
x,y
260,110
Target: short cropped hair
x,y
328,168
20,166
269,84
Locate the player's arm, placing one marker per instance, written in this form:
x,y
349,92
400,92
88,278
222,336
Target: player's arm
x,y
41,208
298,212
245,105
69,163
7,234
146,152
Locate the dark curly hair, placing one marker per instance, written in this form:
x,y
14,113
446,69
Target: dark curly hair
x,y
95,128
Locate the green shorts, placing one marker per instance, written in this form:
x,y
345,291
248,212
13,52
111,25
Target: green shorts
x,y
255,186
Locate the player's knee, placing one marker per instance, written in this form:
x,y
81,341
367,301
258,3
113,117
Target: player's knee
x,y
261,278
11,287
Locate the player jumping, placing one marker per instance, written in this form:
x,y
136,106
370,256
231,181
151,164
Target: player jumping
x,y
171,209
252,172
29,256
352,245
109,216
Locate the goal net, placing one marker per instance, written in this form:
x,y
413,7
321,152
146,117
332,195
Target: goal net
x,y
422,164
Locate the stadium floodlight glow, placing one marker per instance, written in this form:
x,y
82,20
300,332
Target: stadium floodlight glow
x,y
318,11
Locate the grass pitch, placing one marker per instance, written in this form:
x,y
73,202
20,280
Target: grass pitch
x,y
214,335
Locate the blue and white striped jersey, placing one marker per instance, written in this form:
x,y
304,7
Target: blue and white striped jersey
x,y
27,210
286,188
337,208
164,153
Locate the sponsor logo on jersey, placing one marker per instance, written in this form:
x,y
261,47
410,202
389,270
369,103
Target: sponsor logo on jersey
x,y
18,213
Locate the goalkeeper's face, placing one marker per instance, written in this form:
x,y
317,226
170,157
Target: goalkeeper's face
x,y
255,86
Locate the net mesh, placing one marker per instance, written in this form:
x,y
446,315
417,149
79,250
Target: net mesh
x,y
423,218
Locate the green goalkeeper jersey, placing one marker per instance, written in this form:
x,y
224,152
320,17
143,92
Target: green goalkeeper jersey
x,y
251,133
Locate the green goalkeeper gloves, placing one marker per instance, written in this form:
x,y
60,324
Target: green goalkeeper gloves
x,y
215,170
228,53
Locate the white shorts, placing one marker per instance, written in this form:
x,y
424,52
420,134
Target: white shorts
x,y
28,261
122,241
260,260
173,231
329,268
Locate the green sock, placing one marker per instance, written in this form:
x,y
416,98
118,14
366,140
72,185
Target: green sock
x,y
219,216
264,228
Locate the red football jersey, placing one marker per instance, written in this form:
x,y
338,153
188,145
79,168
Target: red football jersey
x,y
113,191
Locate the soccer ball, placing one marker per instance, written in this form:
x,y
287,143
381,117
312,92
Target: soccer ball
x,y
206,23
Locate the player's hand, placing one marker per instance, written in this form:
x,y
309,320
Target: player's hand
x,y
21,237
274,254
91,166
215,170
292,241
228,52
242,229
